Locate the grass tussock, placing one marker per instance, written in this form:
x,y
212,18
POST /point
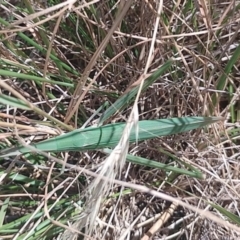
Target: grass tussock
x,y
66,65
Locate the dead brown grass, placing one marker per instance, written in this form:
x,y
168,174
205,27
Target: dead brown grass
x,y
200,35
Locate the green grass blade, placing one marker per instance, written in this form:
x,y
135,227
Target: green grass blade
x,y
232,217
127,98
3,211
109,135
14,102
186,165
43,35
153,164
33,78
232,107
223,80
41,49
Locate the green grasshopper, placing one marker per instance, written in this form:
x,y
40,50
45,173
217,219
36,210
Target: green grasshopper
x,y
108,136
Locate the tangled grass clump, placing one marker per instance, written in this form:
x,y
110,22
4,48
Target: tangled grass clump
x,y
100,74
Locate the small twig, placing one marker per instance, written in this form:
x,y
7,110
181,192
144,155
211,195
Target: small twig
x,y
163,219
